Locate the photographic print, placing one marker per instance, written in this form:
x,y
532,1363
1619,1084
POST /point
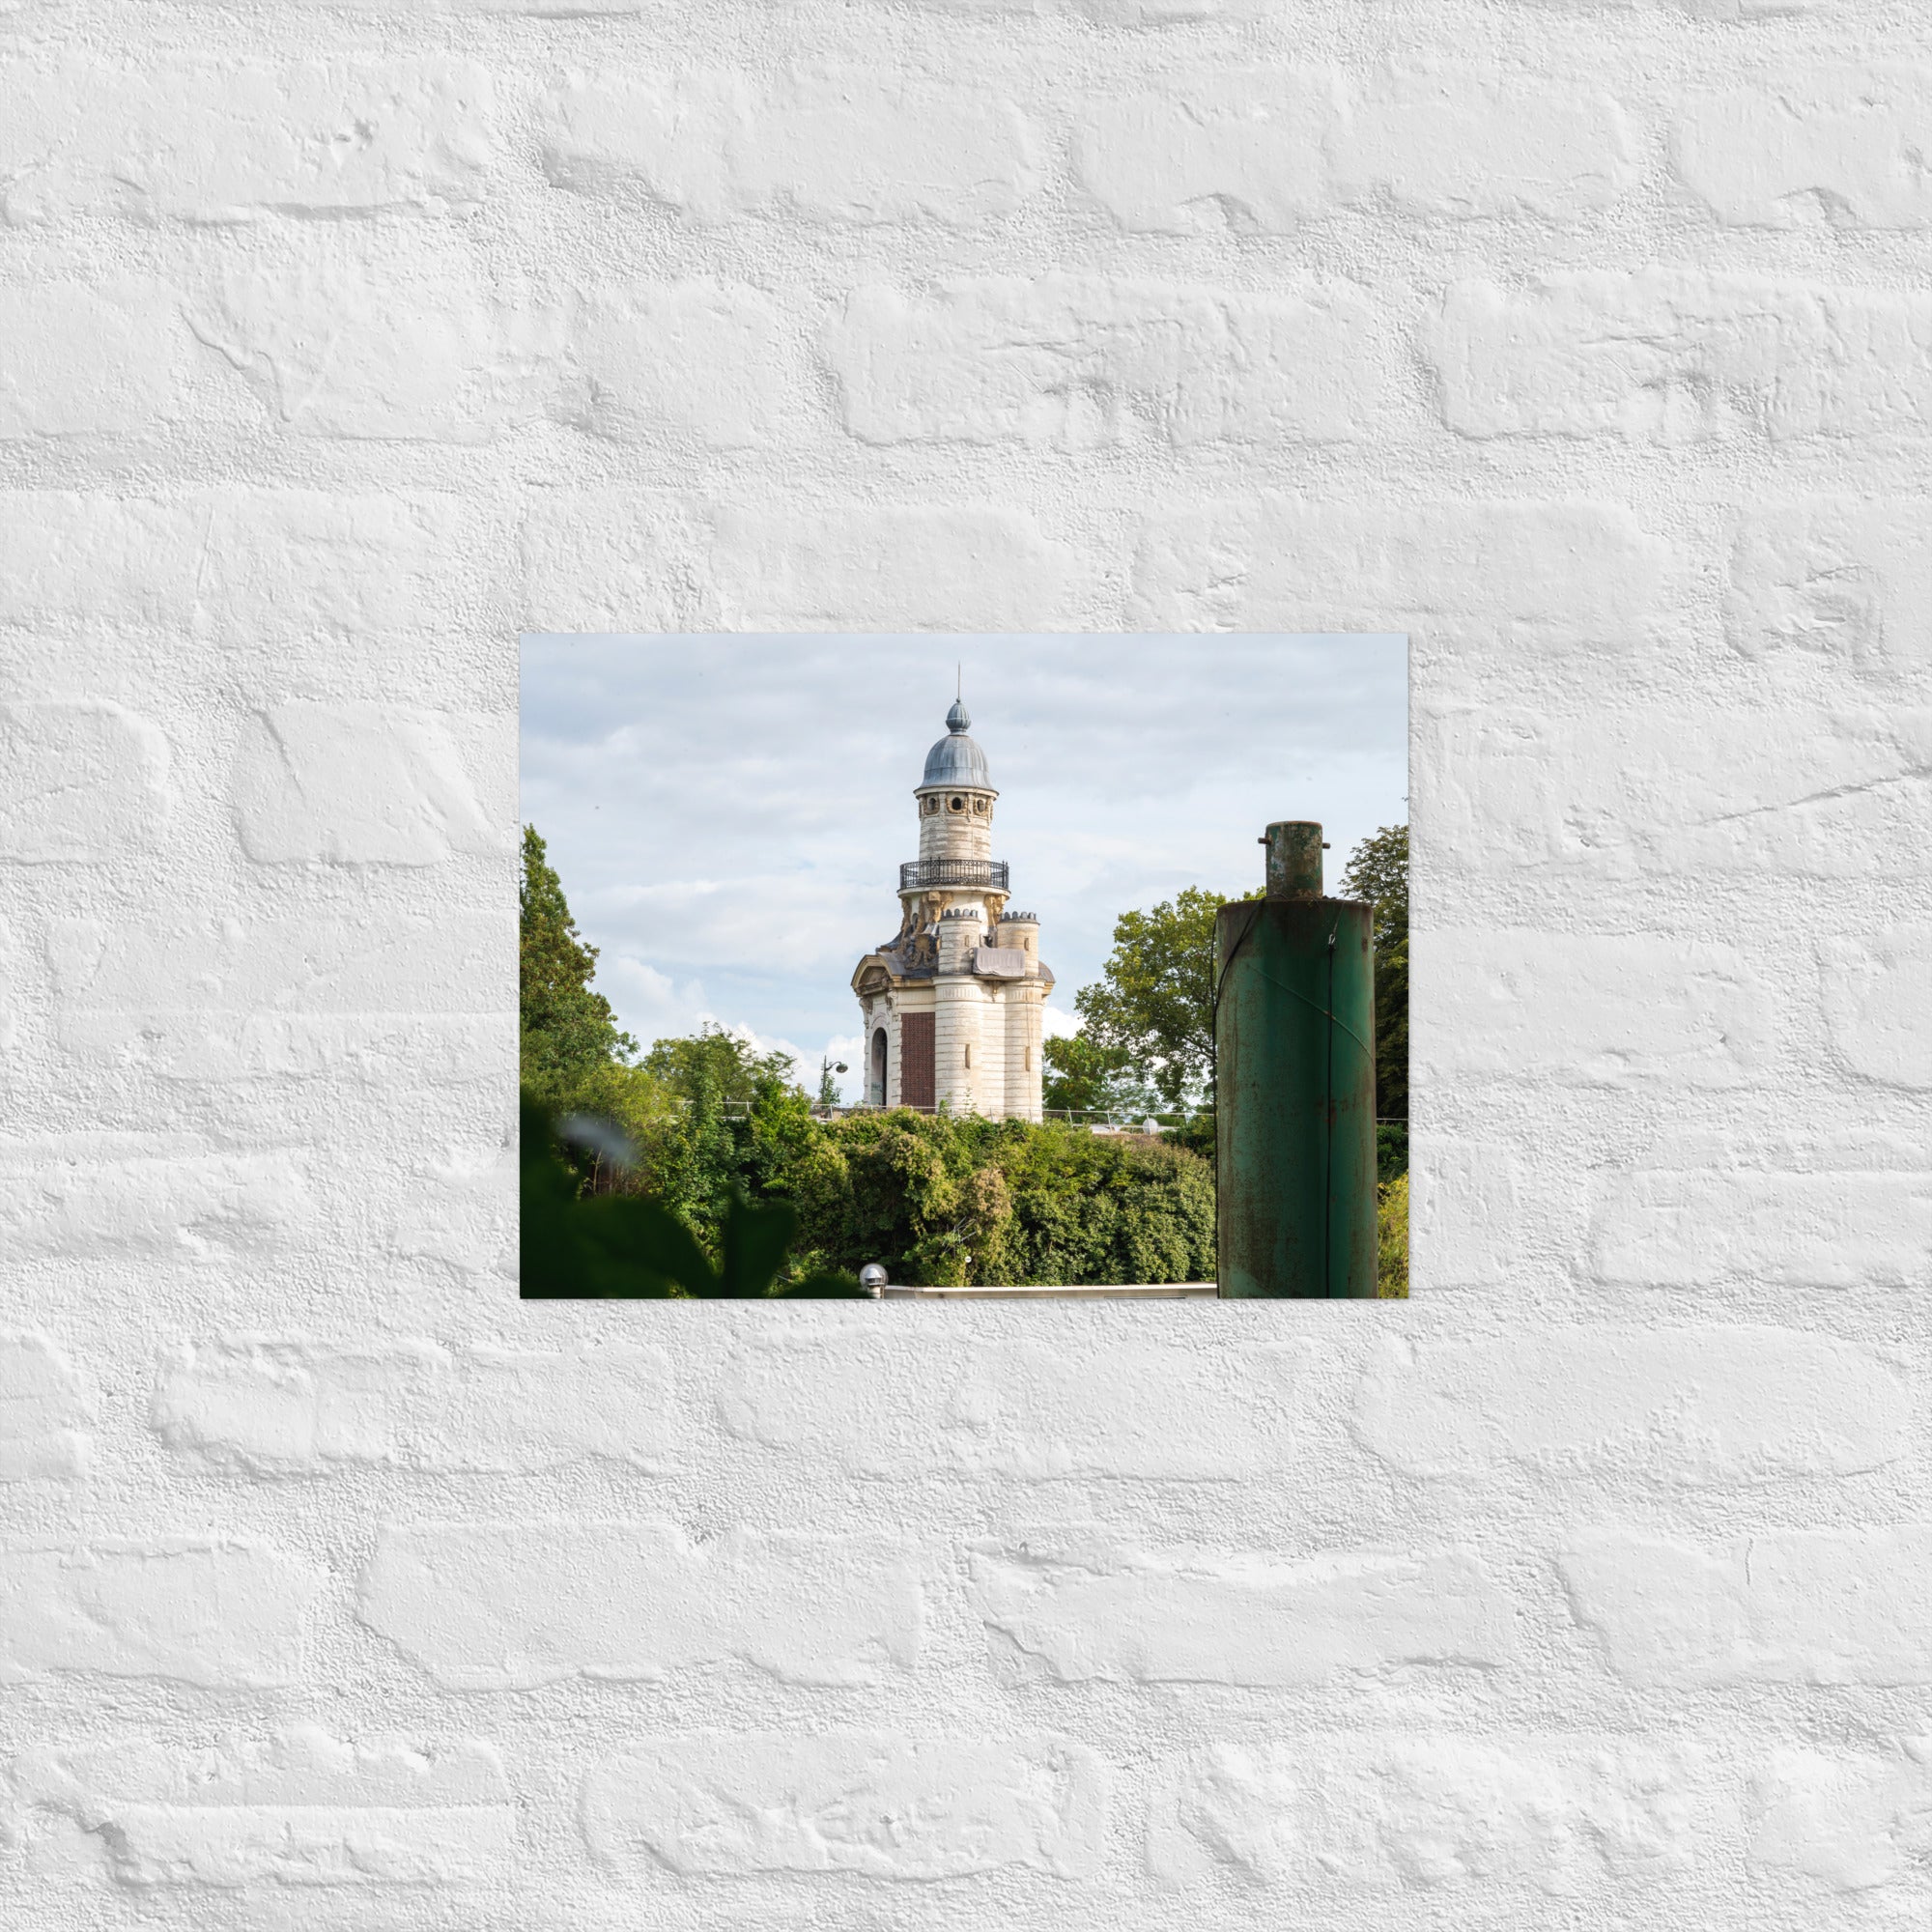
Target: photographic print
x,y
925,966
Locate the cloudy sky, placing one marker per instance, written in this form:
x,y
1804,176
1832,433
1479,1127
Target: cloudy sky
x,y
728,815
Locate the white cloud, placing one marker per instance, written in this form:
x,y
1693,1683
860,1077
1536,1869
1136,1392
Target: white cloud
x,y
718,923
649,1004
642,980
729,813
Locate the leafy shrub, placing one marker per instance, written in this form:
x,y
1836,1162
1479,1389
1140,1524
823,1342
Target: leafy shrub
x,y
1392,1239
940,1202
626,1246
1196,1134
1391,1150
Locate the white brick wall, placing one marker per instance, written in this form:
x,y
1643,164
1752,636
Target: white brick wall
x,y
1588,341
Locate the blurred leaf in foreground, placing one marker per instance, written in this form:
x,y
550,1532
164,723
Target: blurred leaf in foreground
x,y
627,1248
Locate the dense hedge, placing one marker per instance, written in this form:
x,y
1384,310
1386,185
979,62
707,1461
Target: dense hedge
x,y
1392,1243
940,1201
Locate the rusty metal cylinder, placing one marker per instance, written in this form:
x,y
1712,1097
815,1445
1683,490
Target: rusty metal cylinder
x,y
1295,1082
1294,859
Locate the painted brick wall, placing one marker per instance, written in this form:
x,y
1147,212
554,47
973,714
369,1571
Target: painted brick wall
x,y
1591,342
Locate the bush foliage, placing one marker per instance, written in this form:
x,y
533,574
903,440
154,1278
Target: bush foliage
x,y
1392,1244
943,1202
1379,873
624,1246
721,1140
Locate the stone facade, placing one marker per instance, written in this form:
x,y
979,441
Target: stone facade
x,y
952,1002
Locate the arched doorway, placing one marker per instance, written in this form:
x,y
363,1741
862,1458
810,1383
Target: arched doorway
x,y
876,1091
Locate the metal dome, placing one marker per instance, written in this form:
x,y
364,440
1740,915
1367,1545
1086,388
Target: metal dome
x,y
956,761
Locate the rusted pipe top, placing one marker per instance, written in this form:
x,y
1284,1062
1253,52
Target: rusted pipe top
x,y
1294,859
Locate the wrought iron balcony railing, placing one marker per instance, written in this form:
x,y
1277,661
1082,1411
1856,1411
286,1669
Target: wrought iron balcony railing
x,y
916,874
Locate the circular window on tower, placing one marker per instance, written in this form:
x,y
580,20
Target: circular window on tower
x,y
955,803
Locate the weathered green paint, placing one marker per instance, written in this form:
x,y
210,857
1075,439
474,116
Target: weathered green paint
x,y
1295,1131
1294,859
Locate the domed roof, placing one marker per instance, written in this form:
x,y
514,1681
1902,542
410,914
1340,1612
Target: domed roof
x,y
957,760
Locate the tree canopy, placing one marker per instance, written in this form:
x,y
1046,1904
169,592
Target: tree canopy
x,y
1379,873
566,1032
1086,1077
715,1065
1148,1023
1155,1001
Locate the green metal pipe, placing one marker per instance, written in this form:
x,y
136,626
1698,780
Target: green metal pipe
x,y
1295,851
1295,1082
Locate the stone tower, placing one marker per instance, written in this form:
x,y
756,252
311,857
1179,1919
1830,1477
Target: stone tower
x,y
952,1002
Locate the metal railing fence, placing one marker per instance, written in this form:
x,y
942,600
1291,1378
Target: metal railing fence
x,y
917,874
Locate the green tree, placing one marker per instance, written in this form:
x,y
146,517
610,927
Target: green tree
x,y
702,1153
1155,1001
566,1032
1085,1076
1379,873
716,1064
694,1161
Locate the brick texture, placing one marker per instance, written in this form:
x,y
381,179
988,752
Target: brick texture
x,y
1568,1817
296,1809
1092,1608
1022,1409
353,785
1704,1407
79,359
222,1002
238,563
507,1606
1673,356
1810,148
209,142
43,1404
206,1610
1841,1821
1586,341
1790,1606
301,1408
84,780
883,1807
849,147
1082,363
